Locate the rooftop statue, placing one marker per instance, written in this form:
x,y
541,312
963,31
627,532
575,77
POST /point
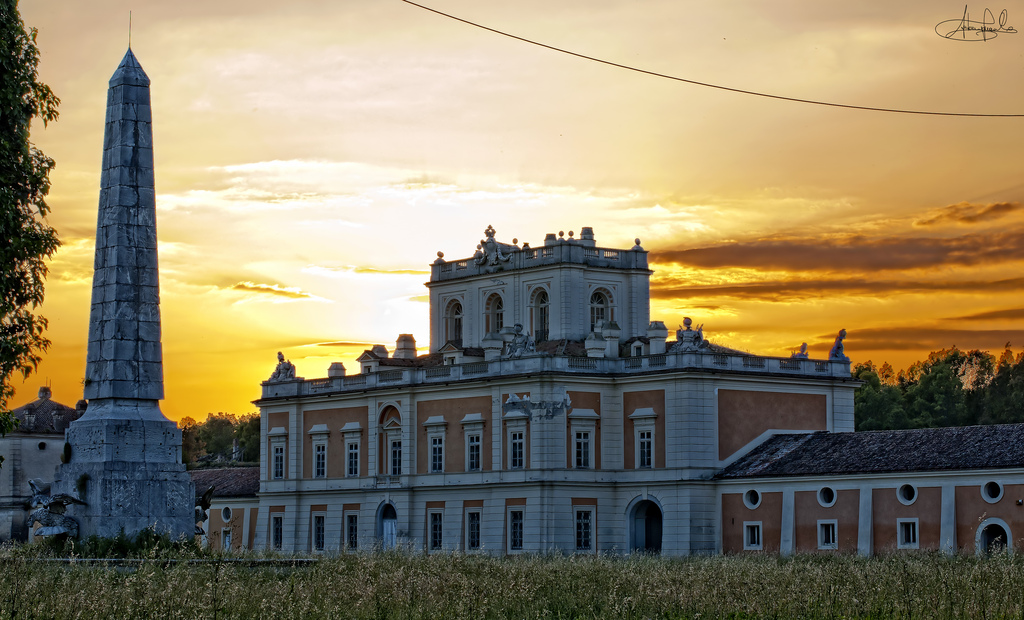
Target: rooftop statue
x,y
802,353
521,343
489,252
285,370
837,349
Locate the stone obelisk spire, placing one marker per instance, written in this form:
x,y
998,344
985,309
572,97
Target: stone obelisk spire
x,y
125,455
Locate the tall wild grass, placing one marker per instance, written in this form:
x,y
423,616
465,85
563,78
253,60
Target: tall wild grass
x,y
402,585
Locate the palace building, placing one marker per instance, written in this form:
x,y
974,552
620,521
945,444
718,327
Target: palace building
x,y
550,414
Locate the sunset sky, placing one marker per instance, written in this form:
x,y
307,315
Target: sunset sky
x,y
313,156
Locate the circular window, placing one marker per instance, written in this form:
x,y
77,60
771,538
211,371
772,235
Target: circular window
x,y
42,445
752,499
225,514
907,494
826,496
992,491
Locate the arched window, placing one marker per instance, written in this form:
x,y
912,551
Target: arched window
x,y
453,322
600,308
539,321
495,318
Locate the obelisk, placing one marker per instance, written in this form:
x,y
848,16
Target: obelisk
x,y
125,456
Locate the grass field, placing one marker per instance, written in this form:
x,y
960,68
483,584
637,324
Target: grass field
x,y
397,585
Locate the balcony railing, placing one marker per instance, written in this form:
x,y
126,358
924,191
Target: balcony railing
x,y
389,378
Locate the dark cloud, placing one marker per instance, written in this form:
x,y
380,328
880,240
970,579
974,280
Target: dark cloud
x,y
852,253
796,289
915,337
1014,313
272,289
967,213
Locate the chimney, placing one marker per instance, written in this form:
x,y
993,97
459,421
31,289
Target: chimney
x,y
405,347
44,393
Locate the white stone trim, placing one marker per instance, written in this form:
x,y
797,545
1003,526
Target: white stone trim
x,y
901,541
747,545
823,526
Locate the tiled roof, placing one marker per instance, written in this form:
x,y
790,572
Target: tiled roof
x,y
227,481
926,449
44,415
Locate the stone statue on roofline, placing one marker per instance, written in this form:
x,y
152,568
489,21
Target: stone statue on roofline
x,y
802,353
689,339
837,349
285,370
521,343
489,252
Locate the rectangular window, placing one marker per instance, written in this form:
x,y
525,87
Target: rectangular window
x,y
278,462
752,536
582,450
352,531
319,531
907,534
474,452
352,467
583,530
437,454
436,531
515,453
225,538
277,531
516,524
473,530
396,457
320,460
827,535
645,452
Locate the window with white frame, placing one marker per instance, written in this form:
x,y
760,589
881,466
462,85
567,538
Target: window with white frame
x,y
352,459
320,459
225,538
278,461
752,536
584,529
516,523
437,454
645,449
827,534
582,450
473,541
644,420
453,322
516,450
495,317
600,309
277,531
906,534
436,524
473,454
351,530
396,457
319,531
539,313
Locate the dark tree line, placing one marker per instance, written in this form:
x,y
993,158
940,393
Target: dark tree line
x,y
214,439
950,388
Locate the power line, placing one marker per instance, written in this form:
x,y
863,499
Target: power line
x,y
706,84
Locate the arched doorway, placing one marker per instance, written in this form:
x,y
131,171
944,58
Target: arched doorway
x,y
645,527
992,538
387,526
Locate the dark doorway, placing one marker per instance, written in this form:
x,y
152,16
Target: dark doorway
x,y
993,539
646,528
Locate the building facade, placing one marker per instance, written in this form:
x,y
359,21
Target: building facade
x,y
31,452
550,414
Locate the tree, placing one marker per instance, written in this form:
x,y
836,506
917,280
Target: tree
x,y
218,433
192,446
248,434
25,239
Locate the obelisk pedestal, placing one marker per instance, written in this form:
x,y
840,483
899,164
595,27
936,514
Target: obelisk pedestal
x,y
125,456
